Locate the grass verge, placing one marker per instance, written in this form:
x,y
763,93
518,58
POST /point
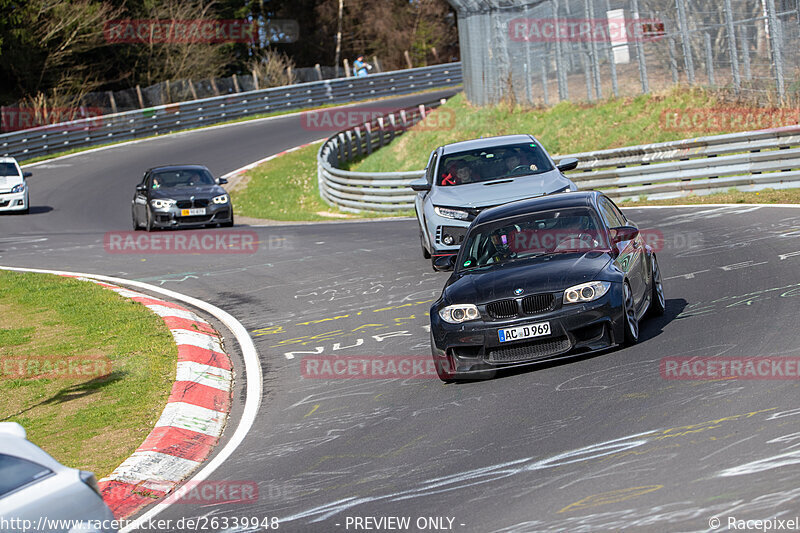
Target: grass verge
x,y
766,196
85,421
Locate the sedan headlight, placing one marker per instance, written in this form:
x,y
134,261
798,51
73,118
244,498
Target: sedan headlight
x,y
18,188
456,314
162,203
221,199
451,213
586,292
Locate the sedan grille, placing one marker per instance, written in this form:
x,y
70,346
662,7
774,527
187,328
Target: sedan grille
x,y
530,351
538,303
502,309
189,204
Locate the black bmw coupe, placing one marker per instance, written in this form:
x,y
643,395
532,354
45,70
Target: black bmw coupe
x,y
178,196
539,279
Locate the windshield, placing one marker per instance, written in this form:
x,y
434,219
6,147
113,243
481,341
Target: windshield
x,y
574,229
8,169
489,164
181,179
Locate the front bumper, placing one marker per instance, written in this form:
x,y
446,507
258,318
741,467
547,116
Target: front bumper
x,y
17,201
173,218
475,347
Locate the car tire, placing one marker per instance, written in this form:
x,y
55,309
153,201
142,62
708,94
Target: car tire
x,y
631,323
148,226
658,304
425,253
135,223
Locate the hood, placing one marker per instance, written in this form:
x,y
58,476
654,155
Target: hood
x,y
500,191
548,273
204,192
8,182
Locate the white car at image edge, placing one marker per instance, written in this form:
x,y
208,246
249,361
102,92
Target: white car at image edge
x,y
14,194
34,487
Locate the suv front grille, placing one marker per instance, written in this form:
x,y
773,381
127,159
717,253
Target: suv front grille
x,y
502,309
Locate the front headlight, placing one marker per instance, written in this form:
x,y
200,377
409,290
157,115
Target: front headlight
x,y
456,314
586,292
222,199
18,188
451,213
162,203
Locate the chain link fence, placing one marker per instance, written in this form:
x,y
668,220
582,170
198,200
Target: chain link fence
x,y
546,51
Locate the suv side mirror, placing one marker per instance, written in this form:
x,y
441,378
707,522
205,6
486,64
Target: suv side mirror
x,y
420,185
27,175
569,163
141,188
222,181
624,233
444,263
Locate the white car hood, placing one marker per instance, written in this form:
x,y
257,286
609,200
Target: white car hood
x,y
9,182
499,191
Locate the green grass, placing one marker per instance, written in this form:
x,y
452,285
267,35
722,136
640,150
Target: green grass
x,y
766,196
564,128
286,189
90,422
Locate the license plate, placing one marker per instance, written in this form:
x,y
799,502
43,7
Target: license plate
x,y
193,212
524,332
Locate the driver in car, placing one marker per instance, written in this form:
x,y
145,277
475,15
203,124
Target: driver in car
x,y
515,164
502,249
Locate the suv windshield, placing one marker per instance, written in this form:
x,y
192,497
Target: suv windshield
x,y
8,169
178,179
488,164
563,230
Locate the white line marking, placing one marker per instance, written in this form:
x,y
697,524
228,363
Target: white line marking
x,y
195,338
192,417
164,311
210,376
160,467
252,367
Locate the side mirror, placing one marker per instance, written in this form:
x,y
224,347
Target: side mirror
x,y
222,181
569,163
444,263
624,233
27,175
420,185
141,188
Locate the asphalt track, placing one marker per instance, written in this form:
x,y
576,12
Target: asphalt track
x,y
593,443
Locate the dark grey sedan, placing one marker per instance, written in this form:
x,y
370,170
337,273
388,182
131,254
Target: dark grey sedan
x,y
181,196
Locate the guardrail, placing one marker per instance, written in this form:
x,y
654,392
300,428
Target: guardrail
x,y
748,161
45,140
368,191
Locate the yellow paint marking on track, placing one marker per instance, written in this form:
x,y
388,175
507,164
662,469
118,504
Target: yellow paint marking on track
x,y
311,412
613,496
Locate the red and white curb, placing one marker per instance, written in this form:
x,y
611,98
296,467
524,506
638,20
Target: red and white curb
x,y
192,420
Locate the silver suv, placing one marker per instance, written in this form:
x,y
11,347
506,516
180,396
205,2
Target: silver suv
x,y
464,178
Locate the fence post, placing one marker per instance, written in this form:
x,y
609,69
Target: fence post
x,y
709,58
214,86
586,74
563,93
368,127
377,64
236,84
776,43
139,96
544,80
737,82
255,79
588,8
380,132
688,62
346,67
673,63
112,101
611,62
319,71
745,52
408,59
640,50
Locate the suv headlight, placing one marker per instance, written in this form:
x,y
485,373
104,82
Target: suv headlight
x,y
222,199
586,292
18,188
451,213
456,314
162,203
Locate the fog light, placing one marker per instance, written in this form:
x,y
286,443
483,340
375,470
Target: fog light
x,y
448,240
